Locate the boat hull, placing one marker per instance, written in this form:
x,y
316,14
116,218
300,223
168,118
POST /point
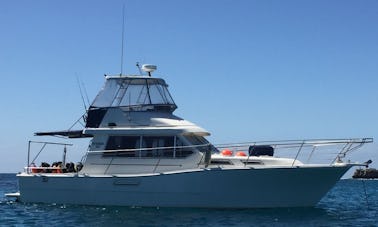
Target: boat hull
x,y
210,188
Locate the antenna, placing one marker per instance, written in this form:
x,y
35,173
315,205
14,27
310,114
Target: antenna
x,y
81,92
86,93
123,31
140,70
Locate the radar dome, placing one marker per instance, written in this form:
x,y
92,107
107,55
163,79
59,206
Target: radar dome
x,y
149,68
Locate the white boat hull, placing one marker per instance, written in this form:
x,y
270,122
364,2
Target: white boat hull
x,y
210,188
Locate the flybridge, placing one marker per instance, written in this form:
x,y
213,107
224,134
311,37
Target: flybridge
x,y
138,93
135,93
128,93
122,95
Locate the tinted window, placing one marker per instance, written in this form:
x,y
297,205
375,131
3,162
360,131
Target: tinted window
x,y
198,140
182,150
123,143
151,146
161,146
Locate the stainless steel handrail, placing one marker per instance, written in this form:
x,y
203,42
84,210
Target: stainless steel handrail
x,y
43,147
350,145
298,142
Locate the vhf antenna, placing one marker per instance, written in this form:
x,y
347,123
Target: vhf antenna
x,y
140,70
123,31
81,93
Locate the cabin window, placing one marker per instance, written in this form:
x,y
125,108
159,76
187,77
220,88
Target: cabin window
x,y
198,140
157,146
127,145
181,150
147,146
251,162
220,162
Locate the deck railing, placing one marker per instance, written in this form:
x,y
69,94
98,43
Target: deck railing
x,y
298,149
338,148
31,167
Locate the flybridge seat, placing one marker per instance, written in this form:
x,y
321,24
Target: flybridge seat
x,y
258,150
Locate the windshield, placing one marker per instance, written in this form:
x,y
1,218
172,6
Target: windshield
x,y
199,140
129,91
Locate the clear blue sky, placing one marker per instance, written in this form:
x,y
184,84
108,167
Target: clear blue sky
x,y
245,70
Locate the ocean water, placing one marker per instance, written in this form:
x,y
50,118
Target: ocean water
x,y
349,203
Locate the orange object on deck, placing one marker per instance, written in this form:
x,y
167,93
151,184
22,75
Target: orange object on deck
x,y
33,168
240,153
227,152
56,170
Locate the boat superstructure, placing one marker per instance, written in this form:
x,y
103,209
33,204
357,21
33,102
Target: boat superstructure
x,y
134,130
141,154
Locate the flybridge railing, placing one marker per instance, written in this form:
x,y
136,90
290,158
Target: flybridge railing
x,y
339,148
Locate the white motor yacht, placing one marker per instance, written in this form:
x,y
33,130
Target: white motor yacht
x,y
141,154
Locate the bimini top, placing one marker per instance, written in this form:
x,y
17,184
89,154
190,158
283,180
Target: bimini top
x,y
138,93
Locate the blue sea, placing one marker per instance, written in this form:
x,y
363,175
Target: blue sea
x,y
349,203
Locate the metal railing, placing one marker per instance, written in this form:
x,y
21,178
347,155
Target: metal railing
x,y
159,153
341,146
298,148
30,164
